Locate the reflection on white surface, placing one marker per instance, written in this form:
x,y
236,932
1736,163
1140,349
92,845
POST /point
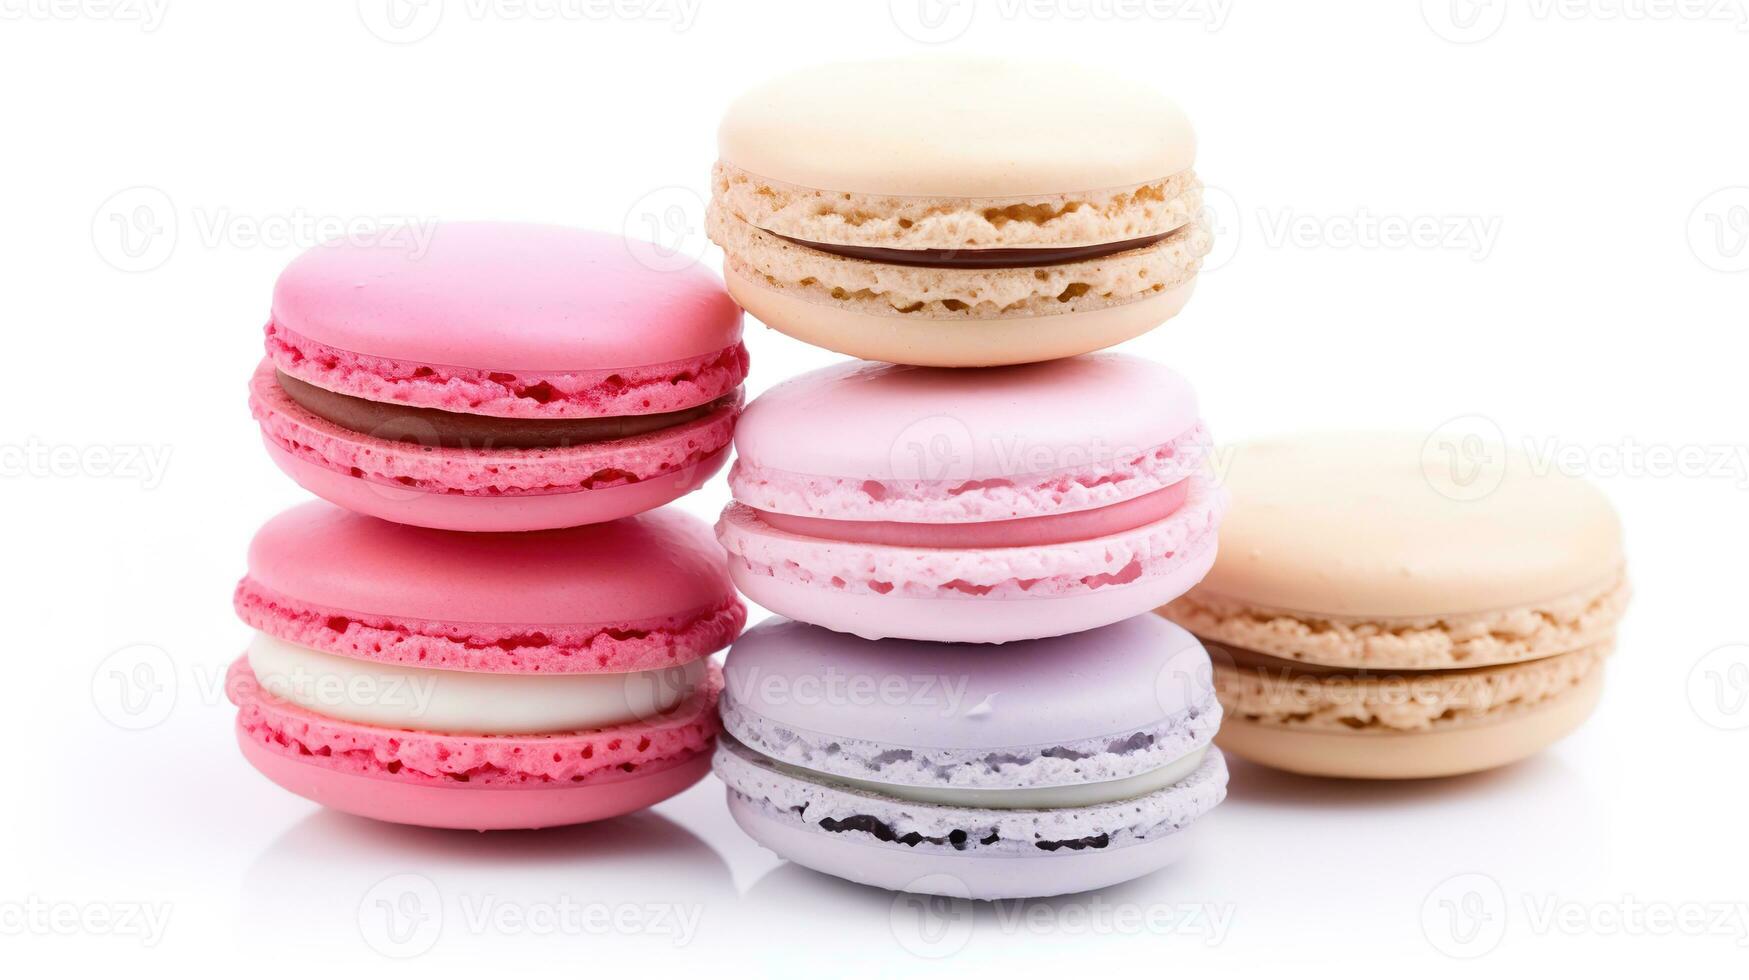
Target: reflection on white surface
x,y
334,882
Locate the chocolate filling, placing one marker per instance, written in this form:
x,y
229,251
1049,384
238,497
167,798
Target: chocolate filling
x,y
980,258
458,430
1079,844
863,823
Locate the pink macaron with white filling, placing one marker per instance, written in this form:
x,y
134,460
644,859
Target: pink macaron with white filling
x,y
985,505
481,681
498,377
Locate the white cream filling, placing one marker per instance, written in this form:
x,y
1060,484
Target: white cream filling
x,y
1039,798
462,702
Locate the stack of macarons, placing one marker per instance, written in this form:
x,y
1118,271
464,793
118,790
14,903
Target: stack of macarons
x,y
494,628
994,481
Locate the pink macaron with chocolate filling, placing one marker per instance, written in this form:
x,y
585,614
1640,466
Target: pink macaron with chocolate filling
x,y
985,505
498,377
482,681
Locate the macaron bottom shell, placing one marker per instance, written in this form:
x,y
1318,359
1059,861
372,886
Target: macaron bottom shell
x,y
465,808
874,840
932,342
1457,750
475,782
526,512
965,619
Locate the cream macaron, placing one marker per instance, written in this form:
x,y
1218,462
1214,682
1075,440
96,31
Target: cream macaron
x,y
956,212
1383,607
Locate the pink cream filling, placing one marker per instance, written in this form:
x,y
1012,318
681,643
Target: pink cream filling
x,y
1019,533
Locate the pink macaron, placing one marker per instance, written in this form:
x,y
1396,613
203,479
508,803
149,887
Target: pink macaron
x,y
499,377
985,505
482,681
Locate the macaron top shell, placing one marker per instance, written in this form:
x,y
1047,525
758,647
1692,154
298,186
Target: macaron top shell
x,y
1113,681
1079,431
956,127
511,297
1397,525
655,565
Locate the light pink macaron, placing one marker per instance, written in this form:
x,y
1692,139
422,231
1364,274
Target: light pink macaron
x,y
983,505
482,681
498,377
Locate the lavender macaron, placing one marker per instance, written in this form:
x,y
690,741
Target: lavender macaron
x,y
1057,766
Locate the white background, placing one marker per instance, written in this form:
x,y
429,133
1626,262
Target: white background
x,y
1581,171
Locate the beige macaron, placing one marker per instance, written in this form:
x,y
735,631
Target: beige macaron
x,y
948,212
1388,606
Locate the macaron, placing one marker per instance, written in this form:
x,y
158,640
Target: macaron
x,y
976,506
958,212
501,377
1060,765
481,681
1386,606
